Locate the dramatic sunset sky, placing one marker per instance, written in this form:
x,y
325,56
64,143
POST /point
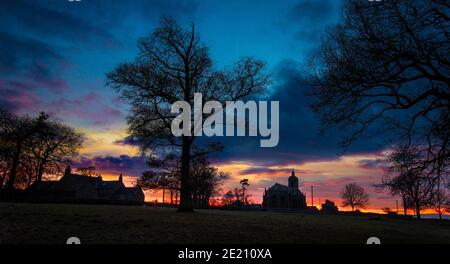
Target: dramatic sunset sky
x,y
54,55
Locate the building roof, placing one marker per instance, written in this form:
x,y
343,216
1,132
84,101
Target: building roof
x,y
130,190
45,186
112,185
279,187
88,187
71,180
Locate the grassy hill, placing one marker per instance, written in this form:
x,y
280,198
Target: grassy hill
x,y
54,223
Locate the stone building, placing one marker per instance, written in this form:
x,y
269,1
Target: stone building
x,y
282,196
79,188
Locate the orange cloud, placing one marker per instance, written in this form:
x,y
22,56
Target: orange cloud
x,y
328,178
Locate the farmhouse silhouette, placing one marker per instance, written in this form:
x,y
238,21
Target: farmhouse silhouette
x,y
79,188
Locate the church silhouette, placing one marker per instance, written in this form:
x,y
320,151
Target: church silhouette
x,y
282,196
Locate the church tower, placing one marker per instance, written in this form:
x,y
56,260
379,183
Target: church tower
x,y
293,181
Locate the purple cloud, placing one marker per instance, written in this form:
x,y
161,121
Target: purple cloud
x,y
129,166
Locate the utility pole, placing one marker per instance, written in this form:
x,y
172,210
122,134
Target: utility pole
x,y
312,195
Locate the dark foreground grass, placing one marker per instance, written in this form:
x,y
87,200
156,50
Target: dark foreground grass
x,y
54,223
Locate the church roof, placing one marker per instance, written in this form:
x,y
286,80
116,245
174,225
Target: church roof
x,y
279,187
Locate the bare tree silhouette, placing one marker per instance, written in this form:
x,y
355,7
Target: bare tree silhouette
x,y
166,174
408,177
172,65
14,132
244,185
52,145
388,63
354,196
32,147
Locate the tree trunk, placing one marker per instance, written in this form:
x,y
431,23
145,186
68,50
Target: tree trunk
x,y
418,211
40,171
30,178
13,173
405,210
185,191
2,179
163,195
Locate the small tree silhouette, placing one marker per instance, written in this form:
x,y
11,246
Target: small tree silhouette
x,y
244,183
354,196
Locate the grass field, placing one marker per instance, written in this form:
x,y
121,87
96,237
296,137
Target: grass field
x,y
54,223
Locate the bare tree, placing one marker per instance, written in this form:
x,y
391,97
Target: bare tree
x,y
441,199
244,185
227,199
30,147
171,66
439,202
52,145
5,161
354,196
14,132
238,195
387,63
89,171
206,181
165,174
409,177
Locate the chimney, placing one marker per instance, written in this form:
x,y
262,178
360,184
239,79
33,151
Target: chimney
x,y
67,171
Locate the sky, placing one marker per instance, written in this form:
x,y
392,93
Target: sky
x,y
54,55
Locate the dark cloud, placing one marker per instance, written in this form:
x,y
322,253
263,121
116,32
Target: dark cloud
x,y
40,17
27,64
300,139
17,100
312,11
115,12
26,55
307,20
128,165
263,170
373,164
91,108
130,141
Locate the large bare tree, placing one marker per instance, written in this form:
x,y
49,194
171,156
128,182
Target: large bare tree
x,y
171,66
387,63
